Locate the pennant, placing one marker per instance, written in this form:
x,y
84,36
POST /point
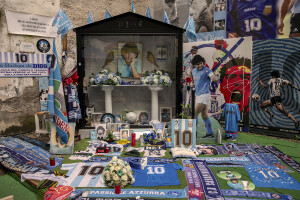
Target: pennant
x,y
190,29
62,22
159,129
56,101
90,18
148,13
107,14
132,7
166,18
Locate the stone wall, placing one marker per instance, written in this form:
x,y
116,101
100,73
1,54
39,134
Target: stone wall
x,y
19,97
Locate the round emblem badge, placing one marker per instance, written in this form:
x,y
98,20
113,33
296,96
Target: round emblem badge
x,y
43,45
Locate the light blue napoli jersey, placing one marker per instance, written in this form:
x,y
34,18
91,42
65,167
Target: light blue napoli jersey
x,y
232,116
202,80
85,174
157,174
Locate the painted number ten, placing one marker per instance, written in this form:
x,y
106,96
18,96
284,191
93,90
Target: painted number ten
x,y
93,171
22,57
155,170
253,24
270,173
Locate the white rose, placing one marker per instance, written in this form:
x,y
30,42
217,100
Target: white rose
x,y
117,168
110,76
159,72
124,170
107,177
156,81
110,184
114,158
124,183
111,169
104,71
116,177
128,167
124,177
92,80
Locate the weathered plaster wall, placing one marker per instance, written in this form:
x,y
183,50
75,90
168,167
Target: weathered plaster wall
x,y
19,97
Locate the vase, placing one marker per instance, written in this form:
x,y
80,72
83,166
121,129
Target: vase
x,y
117,189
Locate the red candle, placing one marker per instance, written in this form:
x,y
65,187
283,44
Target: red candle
x,y
117,189
133,139
52,161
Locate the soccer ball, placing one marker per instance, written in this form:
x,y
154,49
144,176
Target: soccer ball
x,y
255,97
131,117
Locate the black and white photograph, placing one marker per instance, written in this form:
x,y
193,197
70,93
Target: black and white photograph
x,y
177,11
202,12
100,130
220,24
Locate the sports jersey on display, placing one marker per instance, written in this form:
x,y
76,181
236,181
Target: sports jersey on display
x,y
232,116
252,18
202,80
275,85
156,174
85,174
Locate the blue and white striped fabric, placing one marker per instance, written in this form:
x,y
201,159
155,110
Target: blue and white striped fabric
x,y
166,18
63,23
187,132
11,57
85,174
90,18
56,100
132,7
148,13
107,14
190,29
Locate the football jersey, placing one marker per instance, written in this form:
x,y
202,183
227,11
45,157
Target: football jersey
x,y
252,18
157,174
84,174
275,85
202,80
232,116
297,6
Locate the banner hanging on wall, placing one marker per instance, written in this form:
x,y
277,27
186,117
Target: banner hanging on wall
x,y
29,24
24,64
275,87
230,61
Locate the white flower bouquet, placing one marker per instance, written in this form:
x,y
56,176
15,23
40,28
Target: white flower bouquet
x,y
157,78
105,77
118,172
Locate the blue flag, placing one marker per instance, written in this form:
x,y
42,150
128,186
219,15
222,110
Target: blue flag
x,y
148,12
132,7
166,18
107,14
190,29
90,18
62,22
56,101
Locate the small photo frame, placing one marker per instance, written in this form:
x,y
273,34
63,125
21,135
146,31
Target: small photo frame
x,y
219,24
144,118
124,134
100,130
112,126
161,53
165,114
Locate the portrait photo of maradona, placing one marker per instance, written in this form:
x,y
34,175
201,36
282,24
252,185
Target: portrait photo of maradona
x,y
130,59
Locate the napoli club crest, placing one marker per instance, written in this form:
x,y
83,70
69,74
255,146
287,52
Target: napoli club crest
x,y
43,46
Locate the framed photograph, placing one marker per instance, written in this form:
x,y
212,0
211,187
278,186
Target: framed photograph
x,y
124,134
144,118
165,114
130,59
161,53
100,130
